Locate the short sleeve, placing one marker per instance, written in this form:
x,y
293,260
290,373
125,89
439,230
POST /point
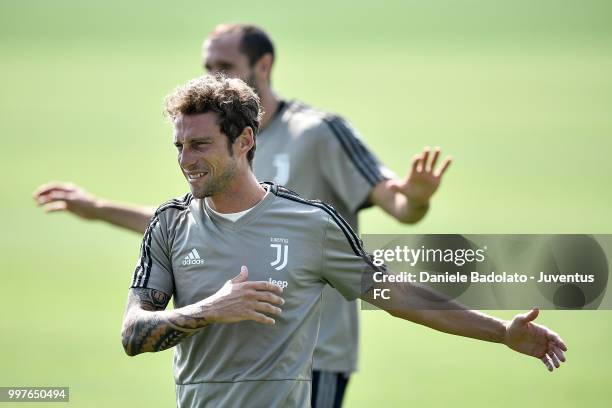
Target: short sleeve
x,y
345,265
348,165
154,267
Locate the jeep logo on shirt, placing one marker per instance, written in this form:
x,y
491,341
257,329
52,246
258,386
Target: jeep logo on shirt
x,y
280,283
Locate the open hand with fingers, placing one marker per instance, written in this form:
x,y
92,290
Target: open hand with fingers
x,y
240,300
529,338
59,196
424,179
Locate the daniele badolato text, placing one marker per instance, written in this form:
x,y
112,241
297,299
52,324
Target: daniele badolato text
x,y
417,258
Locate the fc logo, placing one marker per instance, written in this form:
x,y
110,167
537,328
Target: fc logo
x,y
282,253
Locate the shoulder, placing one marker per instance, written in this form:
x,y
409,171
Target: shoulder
x,y
314,122
173,210
175,206
313,211
324,216
171,216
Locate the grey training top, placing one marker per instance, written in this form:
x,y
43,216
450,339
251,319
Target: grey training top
x,y
320,156
189,252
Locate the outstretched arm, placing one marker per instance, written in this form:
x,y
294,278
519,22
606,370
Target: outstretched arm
x,y
76,200
408,200
147,327
421,305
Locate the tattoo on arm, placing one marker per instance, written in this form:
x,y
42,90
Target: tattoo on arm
x,y
151,299
147,327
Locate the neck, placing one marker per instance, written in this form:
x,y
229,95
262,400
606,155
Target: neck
x,y
243,193
269,103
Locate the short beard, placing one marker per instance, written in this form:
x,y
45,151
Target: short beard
x,y
219,183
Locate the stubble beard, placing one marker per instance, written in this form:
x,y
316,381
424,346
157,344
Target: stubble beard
x,y
217,184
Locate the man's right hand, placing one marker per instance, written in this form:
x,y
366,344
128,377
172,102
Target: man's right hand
x,y
58,196
240,300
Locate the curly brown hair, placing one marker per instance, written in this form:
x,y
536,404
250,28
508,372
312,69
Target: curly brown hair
x,y
237,106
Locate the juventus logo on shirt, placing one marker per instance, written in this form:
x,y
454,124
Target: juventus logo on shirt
x,y
281,245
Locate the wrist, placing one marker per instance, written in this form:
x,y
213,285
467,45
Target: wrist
x,y
412,211
416,204
503,332
98,205
204,313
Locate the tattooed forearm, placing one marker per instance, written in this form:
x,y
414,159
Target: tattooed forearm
x,y
147,327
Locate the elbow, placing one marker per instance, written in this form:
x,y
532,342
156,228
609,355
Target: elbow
x,y
395,313
128,350
127,340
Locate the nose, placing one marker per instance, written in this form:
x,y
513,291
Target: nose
x,y
186,158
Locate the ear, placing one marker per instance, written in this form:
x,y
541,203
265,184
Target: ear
x,y
263,67
245,141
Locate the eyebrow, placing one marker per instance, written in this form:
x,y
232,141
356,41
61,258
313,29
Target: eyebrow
x,y
195,139
227,64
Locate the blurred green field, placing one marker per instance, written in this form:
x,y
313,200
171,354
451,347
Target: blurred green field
x,y
520,93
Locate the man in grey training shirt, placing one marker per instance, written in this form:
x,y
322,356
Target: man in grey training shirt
x,y
247,339
318,155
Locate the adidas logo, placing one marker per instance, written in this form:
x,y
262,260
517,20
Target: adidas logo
x,y
193,258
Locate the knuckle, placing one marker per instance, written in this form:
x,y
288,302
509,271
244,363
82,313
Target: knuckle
x,y
262,296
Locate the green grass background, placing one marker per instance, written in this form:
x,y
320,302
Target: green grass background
x,y
519,92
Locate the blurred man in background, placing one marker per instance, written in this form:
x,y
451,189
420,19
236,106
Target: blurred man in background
x,y
316,154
